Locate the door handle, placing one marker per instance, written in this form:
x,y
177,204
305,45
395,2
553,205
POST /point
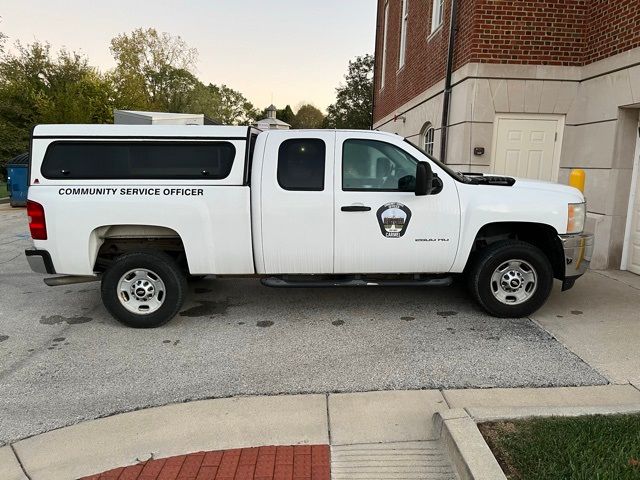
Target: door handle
x,y
355,208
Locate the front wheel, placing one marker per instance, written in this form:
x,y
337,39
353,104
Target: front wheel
x,y
143,289
511,279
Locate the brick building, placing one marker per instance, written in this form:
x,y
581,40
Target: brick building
x,y
537,88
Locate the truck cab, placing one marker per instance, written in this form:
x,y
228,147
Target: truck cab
x,y
344,202
293,208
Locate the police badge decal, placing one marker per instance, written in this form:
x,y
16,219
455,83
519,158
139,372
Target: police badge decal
x,y
393,219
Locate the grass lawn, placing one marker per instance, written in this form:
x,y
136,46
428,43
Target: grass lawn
x,y
3,190
593,447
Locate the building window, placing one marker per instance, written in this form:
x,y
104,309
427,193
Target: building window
x,y
427,137
437,14
384,45
403,33
301,164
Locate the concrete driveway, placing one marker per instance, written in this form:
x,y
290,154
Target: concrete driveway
x,y
63,359
599,320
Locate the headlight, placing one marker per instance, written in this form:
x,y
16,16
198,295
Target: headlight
x,y
576,217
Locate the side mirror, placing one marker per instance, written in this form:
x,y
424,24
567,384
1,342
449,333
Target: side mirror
x,y
424,179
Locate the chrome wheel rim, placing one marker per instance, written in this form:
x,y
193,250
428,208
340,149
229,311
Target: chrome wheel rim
x,y
514,282
141,291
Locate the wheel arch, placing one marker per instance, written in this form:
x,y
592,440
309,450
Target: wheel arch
x,y
107,242
541,235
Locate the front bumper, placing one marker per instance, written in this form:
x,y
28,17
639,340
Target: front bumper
x,y
39,261
577,257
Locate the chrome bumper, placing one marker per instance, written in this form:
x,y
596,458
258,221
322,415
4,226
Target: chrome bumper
x,y
577,257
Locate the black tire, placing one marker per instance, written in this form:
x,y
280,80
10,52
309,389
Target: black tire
x,y
496,255
164,267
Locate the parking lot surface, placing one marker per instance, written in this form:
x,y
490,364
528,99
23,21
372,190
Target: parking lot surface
x,y
63,359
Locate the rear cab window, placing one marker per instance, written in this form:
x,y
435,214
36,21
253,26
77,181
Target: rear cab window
x,y
301,164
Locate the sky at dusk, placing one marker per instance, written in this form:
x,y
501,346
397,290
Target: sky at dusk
x,y
288,51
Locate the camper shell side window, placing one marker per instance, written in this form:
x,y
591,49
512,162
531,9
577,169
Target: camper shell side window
x,y
138,160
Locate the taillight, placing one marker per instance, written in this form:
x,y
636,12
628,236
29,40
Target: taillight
x,y
37,223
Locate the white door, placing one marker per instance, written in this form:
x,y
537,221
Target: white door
x,y
632,244
527,147
297,202
378,227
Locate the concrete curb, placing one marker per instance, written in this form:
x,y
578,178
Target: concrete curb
x,y
579,397
469,452
467,449
489,414
4,200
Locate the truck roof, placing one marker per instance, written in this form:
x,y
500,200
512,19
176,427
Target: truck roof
x,y
88,130
334,130
91,130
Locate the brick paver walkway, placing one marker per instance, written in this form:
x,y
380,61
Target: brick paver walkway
x,y
309,462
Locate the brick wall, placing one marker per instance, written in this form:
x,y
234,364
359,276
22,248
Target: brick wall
x,y
539,32
612,27
426,51
545,32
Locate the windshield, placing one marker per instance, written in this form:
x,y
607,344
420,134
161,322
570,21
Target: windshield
x,y
456,175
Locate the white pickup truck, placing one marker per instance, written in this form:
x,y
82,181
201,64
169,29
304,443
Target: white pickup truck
x,y
142,208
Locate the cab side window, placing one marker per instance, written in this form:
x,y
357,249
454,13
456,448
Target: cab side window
x,y
301,163
376,165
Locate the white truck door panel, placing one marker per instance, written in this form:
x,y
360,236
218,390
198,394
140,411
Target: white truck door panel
x,y
297,202
380,229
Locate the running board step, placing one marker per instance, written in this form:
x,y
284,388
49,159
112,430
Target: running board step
x,y
277,282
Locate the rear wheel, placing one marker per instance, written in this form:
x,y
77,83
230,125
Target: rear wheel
x,y
511,279
143,289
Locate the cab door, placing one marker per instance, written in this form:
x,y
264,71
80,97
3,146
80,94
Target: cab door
x,y
379,228
296,199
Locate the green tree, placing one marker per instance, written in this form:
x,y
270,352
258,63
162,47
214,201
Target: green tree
x,y
354,100
76,93
222,104
286,115
308,116
233,107
154,71
37,87
202,99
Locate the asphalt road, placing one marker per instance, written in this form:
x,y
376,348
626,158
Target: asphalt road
x,y
63,359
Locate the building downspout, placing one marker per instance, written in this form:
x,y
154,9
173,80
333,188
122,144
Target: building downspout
x,y
446,99
375,64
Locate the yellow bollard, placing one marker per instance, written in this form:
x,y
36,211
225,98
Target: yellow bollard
x,y
577,178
